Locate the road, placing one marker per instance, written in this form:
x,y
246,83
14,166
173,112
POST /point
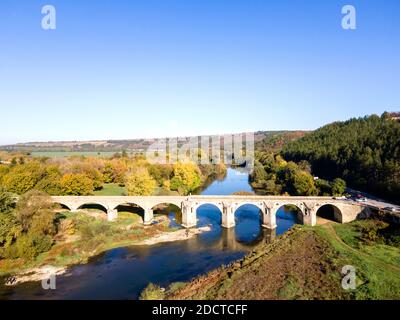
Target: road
x,y
372,200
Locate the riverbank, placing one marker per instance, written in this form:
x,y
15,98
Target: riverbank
x,y
90,238
304,263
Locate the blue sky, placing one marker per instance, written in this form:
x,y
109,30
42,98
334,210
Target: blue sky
x,y
129,69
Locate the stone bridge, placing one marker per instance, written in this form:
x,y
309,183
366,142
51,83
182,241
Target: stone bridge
x,y
344,210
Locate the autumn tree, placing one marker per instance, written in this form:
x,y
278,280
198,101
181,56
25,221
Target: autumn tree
x,y
50,182
186,177
76,184
140,183
23,177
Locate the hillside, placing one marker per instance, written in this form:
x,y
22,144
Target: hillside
x,y
304,264
363,151
137,145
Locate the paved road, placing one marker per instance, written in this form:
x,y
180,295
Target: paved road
x,y
373,201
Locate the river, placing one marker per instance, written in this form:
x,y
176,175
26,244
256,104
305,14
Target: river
x,y
123,273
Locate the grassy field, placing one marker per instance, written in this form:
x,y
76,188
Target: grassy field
x,y
305,263
64,154
111,189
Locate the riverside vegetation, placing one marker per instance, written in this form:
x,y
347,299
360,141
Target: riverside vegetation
x,y
35,232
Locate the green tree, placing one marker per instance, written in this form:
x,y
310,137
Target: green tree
x,y
160,172
140,183
324,187
109,173
303,184
10,230
6,202
35,212
3,171
365,152
338,187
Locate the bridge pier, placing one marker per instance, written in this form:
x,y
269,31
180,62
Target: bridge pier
x,y
112,214
269,218
228,216
189,218
148,217
310,216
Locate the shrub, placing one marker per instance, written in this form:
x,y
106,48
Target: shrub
x,y
28,246
10,229
152,292
6,202
35,213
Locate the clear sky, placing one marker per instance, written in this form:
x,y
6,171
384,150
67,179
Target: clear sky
x,y
121,69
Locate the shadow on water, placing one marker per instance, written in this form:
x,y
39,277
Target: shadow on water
x,y
123,273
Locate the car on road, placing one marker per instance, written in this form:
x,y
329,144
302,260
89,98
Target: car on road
x,y
362,199
340,198
391,209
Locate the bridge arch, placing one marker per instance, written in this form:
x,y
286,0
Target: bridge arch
x,y
209,210
177,204
248,218
93,205
210,204
63,206
237,206
329,211
290,211
172,210
130,208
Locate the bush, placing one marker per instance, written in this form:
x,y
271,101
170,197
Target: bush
x,y
10,229
28,246
6,202
35,213
152,292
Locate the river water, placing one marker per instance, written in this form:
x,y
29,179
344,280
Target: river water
x,y
123,273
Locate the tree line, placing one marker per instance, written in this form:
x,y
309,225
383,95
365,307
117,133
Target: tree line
x,y
363,151
84,175
273,175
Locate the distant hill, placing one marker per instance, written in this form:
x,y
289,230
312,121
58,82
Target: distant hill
x,y
274,142
133,145
363,151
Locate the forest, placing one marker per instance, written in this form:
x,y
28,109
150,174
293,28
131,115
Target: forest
x,y
365,152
